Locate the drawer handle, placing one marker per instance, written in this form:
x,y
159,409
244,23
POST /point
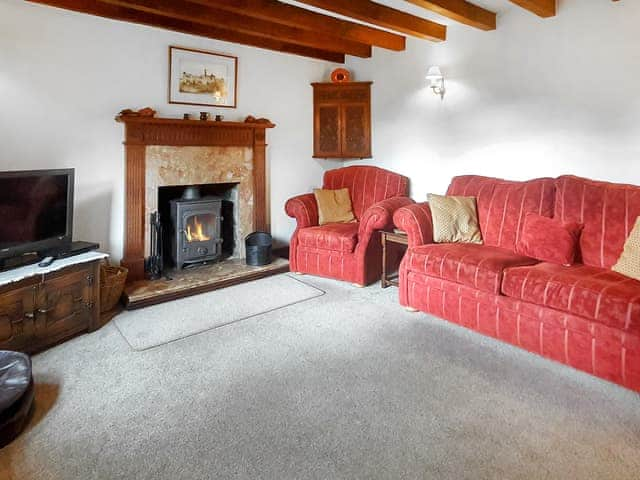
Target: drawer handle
x,y
45,310
29,315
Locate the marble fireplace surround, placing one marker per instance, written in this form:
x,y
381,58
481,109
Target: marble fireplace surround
x,y
183,166
163,152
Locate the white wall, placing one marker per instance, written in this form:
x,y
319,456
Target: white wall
x,y
64,77
533,98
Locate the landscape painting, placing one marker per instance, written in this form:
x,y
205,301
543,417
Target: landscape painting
x,y
202,78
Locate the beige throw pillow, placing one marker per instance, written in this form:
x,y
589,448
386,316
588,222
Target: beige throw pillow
x,y
629,262
334,206
455,219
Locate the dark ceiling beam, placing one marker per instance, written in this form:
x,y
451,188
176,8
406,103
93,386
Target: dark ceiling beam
x,y
286,14
214,17
542,8
460,11
114,12
383,16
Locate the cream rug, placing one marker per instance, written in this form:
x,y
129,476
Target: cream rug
x,y
152,326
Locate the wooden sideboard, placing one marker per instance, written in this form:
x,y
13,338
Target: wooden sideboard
x,y
45,309
342,120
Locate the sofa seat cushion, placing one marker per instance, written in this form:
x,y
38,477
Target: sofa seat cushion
x,y
593,293
340,237
476,266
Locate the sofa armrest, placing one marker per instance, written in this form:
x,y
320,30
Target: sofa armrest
x,y
304,209
380,215
416,221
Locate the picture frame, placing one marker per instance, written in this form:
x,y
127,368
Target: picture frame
x,y
199,77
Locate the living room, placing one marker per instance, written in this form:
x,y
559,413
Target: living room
x,y
326,374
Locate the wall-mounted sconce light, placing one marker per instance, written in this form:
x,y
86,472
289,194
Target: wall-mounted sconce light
x,y
436,81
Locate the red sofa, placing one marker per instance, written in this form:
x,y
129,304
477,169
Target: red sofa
x,y
585,315
347,251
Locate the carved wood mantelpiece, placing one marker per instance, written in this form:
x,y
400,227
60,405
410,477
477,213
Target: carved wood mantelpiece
x,y
141,132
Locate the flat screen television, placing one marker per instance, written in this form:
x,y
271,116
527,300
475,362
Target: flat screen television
x,y
36,212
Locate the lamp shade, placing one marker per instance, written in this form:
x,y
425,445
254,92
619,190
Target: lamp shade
x,y
434,73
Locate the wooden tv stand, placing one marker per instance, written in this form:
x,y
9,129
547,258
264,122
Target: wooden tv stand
x,y
44,309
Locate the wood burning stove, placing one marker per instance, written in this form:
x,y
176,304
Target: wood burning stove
x,y
197,225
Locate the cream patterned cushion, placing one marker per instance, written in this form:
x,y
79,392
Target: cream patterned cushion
x,y
629,262
455,219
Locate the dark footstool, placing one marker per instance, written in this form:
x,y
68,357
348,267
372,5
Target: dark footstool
x,y
16,394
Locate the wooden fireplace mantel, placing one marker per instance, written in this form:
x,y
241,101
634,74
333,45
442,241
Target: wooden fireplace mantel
x,y
141,132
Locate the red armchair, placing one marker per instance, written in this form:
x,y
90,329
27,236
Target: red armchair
x,y
347,251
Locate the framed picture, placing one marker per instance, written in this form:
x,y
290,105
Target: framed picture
x,y
197,77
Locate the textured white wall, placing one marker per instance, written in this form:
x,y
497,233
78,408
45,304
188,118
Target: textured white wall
x,y
533,98
64,77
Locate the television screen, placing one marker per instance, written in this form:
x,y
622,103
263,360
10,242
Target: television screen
x,y
34,207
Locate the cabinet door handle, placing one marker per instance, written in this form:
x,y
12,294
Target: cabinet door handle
x,y
29,315
45,310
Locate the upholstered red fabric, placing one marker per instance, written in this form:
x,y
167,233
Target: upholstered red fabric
x,y
341,237
503,205
476,266
608,212
367,185
352,252
416,221
594,293
598,349
304,209
584,316
549,240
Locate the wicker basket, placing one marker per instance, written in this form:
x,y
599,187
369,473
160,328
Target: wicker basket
x,y
112,280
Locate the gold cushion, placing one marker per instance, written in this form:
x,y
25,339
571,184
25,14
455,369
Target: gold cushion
x,y
334,206
629,262
455,219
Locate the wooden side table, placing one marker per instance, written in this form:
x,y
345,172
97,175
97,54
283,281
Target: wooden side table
x,y
394,244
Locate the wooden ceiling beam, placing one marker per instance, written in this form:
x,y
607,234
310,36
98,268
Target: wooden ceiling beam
x,y
115,12
286,14
383,16
460,11
214,17
542,8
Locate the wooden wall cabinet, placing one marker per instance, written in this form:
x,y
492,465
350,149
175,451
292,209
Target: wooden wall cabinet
x,y
43,310
342,120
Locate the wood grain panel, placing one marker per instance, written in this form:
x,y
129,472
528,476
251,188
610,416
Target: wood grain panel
x,y
387,17
115,12
291,15
460,11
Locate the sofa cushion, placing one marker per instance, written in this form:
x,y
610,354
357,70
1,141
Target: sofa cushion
x,y
334,206
608,212
549,240
593,293
455,219
629,262
503,205
341,237
473,265
367,185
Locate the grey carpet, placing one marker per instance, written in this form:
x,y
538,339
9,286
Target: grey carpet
x,y
160,324
343,386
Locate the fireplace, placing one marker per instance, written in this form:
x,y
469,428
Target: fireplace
x,y
162,152
227,161
196,223
199,224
